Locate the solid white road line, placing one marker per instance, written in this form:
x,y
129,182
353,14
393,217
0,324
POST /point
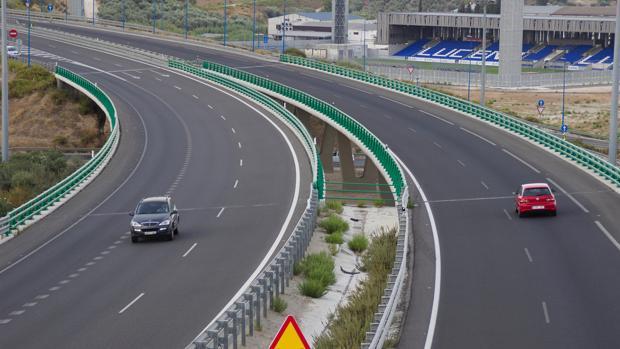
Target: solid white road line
x,y
356,89
220,213
529,256
508,214
521,161
546,312
131,303
461,163
436,117
190,249
477,135
611,238
395,101
572,198
236,183
484,185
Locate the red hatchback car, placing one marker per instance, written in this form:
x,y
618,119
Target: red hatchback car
x,y
535,197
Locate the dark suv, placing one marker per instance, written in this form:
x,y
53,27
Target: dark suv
x,y
155,217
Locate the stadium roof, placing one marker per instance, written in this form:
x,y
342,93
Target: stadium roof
x,y
323,16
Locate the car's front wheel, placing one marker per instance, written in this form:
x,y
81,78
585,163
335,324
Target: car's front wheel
x,y
171,236
134,239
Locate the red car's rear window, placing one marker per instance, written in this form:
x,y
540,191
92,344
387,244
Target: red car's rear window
x,y
536,191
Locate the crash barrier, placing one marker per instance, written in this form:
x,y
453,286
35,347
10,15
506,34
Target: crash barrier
x,y
554,143
33,209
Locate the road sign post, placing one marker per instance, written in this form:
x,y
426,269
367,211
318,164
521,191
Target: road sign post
x,y
13,33
410,69
540,106
28,10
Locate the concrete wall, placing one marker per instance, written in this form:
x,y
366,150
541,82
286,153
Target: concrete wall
x,y
510,40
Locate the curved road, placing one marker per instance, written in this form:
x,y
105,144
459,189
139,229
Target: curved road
x,y
74,281
539,282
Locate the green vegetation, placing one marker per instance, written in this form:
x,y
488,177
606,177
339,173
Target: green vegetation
x,y
358,243
279,305
351,321
26,175
334,205
335,238
379,203
295,52
28,80
333,224
333,249
318,271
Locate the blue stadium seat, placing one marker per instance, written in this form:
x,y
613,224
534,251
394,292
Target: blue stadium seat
x,y
449,49
541,54
412,49
575,53
606,56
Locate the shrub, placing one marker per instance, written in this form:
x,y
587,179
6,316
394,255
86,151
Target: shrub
x,y
334,223
318,270
379,203
358,243
28,79
361,204
60,141
279,305
86,105
335,206
335,238
297,268
333,249
312,288
295,52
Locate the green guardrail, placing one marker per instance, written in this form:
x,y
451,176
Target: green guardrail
x,y
564,148
366,137
28,210
318,175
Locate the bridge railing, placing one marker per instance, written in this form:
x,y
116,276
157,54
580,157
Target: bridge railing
x,y
31,210
556,144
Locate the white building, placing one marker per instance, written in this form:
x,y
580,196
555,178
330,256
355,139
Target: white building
x,y
318,26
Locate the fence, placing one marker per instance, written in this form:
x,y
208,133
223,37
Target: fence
x,y
554,143
27,212
463,78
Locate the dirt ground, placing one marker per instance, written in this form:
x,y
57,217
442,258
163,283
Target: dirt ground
x,y
586,109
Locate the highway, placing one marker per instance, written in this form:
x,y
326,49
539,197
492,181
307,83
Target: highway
x,y
74,280
539,282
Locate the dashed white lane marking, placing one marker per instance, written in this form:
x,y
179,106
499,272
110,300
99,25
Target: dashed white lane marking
x,y
98,258
395,101
436,117
389,117
521,161
97,59
412,129
529,256
233,130
64,282
90,263
239,144
118,242
546,312
131,303
160,74
74,275
42,296
74,52
177,87
461,163
112,247
363,106
572,198
190,249
55,288
158,79
118,65
29,304
484,185
220,213
507,214
125,237
241,163
105,252
131,76
356,89
223,117
236,183
196,97
437,145
4,321
82,269
477,135
606,232
209,105
17,312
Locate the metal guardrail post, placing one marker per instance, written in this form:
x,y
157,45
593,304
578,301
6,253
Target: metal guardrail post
x,y
263,282
257,290
214,335
250,312
223,340
241,305
233,315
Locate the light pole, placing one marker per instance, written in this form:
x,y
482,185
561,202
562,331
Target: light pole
x,y
563,99
483,75
469,81
153,19
123,13
27,10
225,19
253,23
186,17
5,87
613,116
364,44
93,13
284,26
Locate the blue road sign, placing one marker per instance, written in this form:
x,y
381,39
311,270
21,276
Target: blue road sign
x,y
564,128
27,3
541,102
265,39
50,7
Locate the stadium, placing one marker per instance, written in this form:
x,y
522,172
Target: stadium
x,y
555,37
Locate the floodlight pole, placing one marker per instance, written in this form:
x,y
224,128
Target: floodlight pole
x,y
93,13
153,19
123,13
483,75
613,116
225,20
186,18
563,99
284,26
5,89
364,44
253,24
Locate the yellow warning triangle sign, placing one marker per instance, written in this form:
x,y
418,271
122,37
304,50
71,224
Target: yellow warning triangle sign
x,y
289,336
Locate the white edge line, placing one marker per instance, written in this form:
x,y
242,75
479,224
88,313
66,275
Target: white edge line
x,y
521,161
436,117
131,303
529,256
437,287
236,183
356,89
569,196
507,214
611,238
544,306
220,213
190,249
477,135
395,101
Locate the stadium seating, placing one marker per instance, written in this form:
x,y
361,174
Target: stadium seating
x,y
448,50
540,54
575,53
412,49
605,56
492,55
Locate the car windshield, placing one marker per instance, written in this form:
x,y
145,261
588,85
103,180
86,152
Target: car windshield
x,y
152,207
536,192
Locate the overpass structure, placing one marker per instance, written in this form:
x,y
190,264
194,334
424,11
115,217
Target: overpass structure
x,y
480,276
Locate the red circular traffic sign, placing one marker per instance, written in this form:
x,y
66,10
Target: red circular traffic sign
x,y
13,33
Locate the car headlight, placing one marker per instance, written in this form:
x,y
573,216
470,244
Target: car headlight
x,y
135,224
166,222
